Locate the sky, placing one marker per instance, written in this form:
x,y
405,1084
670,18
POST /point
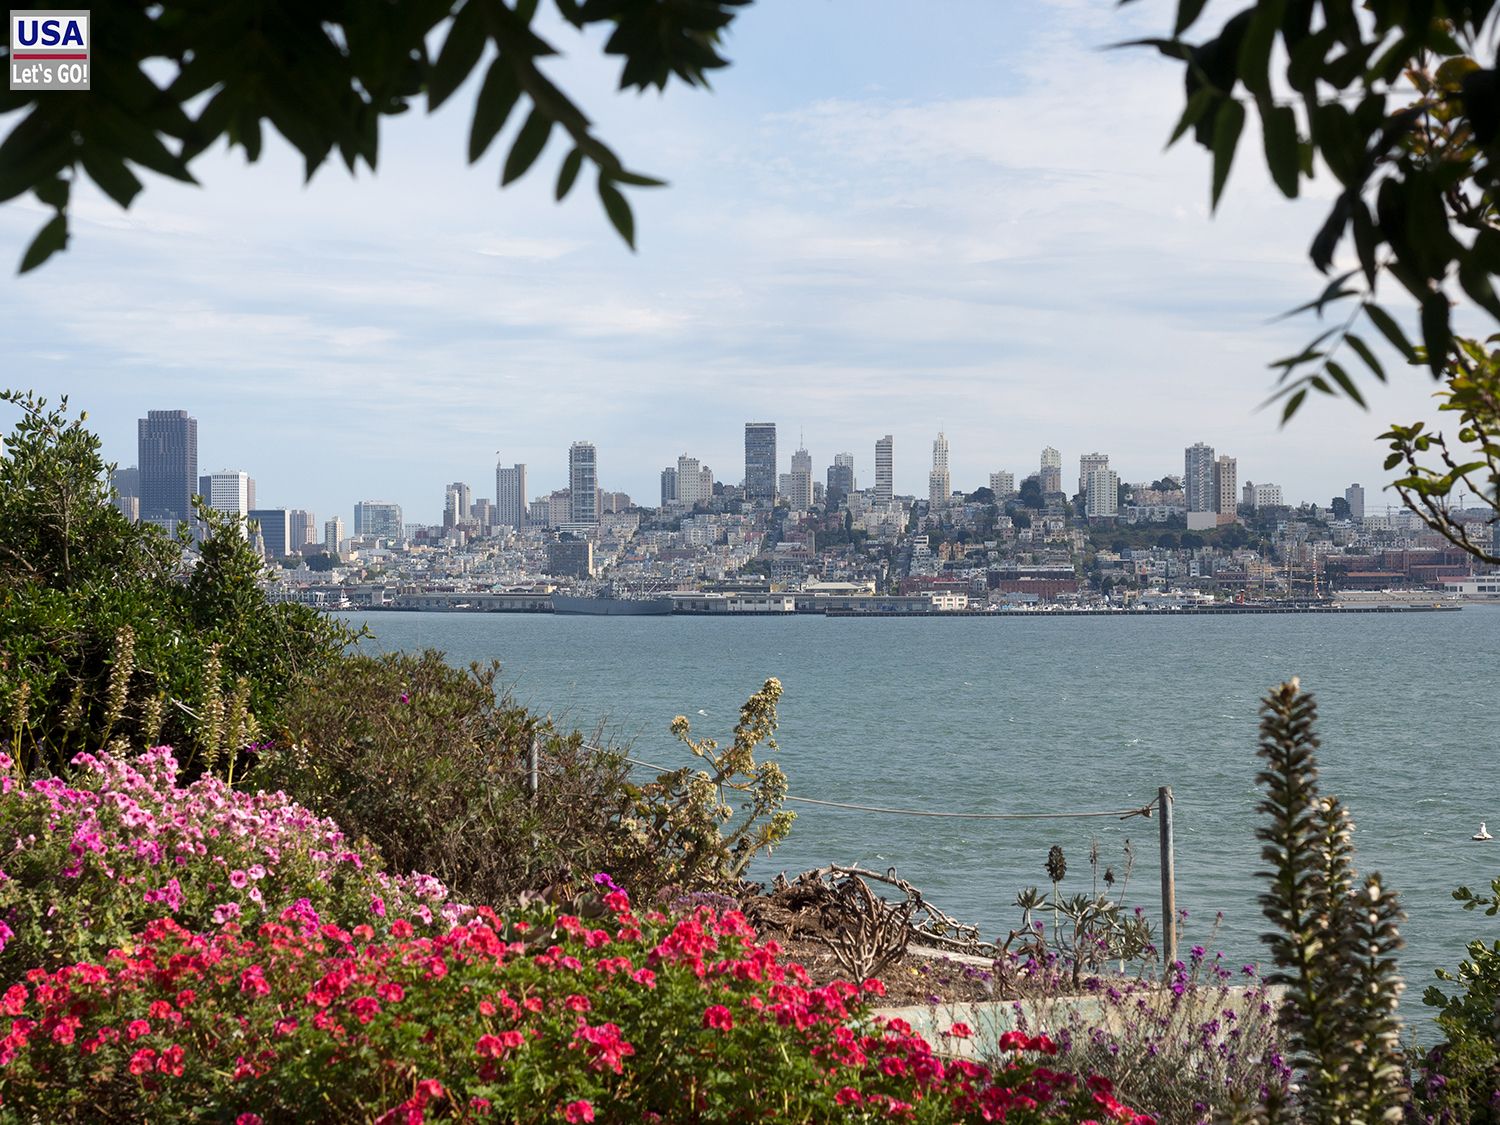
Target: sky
x,y
875,223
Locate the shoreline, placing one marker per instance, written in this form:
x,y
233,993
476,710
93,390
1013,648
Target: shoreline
x,y
844,613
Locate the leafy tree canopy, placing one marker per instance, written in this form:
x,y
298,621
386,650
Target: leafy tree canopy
x,y
324,73
1396,100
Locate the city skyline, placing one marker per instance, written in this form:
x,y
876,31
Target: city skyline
x,y
923,233
1209,485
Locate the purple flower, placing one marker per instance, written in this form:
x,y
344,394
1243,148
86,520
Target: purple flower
x,y
405,698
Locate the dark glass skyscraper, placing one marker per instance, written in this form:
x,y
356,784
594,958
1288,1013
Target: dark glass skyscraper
x,y
168,461
760,462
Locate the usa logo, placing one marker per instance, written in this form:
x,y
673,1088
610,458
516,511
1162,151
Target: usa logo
x,y
49,50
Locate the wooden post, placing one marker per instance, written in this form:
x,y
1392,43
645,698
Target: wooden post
x,y
1168,879
533,767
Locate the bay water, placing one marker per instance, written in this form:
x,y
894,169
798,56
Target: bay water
x,y
1056,714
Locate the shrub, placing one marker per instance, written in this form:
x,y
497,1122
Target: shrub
x,y
88,861
428,762
618,1019
1459,1079
1187,1049
77,579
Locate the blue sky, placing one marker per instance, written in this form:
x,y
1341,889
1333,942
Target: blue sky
x,y
886,218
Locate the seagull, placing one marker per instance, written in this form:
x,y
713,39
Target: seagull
x,y
1482,834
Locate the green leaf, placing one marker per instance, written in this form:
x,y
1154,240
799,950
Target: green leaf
x,y
618,210
1435,332
1391,331
1192,113
460,54
53,192
1363,351
1255,48
569,172
497,97
1188,12
529,144
1231,120
112,175
49,240
1292,404
1279,129
1346,384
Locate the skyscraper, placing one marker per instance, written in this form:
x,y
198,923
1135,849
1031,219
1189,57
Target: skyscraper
x,y
939,484
668,486
510,496
1003,485
458,498
1226,488
583,483
885,477
275,530
1355,496
1198,478
378,520
333,535
167,443
800,486
694,483
840,476
228,491
760,462
1102,492
304,530
1086,465
1050,475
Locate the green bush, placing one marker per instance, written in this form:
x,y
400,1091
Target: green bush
x,y
429,763
112,630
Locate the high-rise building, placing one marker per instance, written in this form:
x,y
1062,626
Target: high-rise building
x,y
374,519
571,558
885,476
333,535
229,491
800,484
127,481
304,530
583,483
840,476
939,484
1268,496
760,463
1049,477
510,496
1003,485
1086,465
668,486
1102,490
167,443
275,530
458,498
1226,488
1355,496
1198,478
694,482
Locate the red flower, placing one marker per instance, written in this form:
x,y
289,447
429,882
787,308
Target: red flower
x,y
142,1061
847,1096
960,1031
874,986
718,1017
136,1028
577,1003
580,1110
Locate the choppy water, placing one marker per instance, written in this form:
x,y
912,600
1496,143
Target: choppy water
x,y
1015,714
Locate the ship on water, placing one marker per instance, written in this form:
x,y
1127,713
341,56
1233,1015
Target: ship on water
x,y
611,601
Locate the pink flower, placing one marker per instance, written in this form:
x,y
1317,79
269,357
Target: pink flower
x,y
248,1119
960,1031
136,1028
238,879
142,1061
580,1110
719,1018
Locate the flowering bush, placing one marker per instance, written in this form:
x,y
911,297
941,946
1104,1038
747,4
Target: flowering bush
x,y
87,862
619,1018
